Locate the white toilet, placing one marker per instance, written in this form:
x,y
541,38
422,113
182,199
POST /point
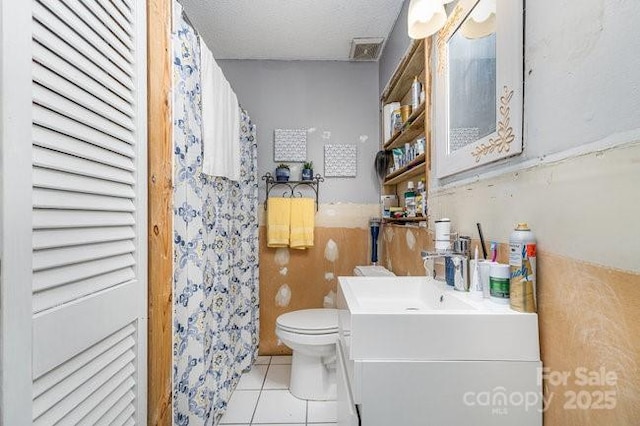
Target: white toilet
x,y
312,335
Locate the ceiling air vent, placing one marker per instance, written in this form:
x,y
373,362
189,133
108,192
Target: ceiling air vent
x,y
365,49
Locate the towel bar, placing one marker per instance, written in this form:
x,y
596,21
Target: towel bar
x,y
271,183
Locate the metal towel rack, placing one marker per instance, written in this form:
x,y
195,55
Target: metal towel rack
x,y
271,183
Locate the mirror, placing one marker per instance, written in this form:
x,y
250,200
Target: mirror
x,y
472,93
478,85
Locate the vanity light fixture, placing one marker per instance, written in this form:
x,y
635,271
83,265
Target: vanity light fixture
x,y
481,21
426,17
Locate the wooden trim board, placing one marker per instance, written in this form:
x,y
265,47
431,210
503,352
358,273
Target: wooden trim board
x,y
160,213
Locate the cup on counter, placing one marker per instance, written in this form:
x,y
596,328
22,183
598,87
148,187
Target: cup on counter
x,y
484,267
443,234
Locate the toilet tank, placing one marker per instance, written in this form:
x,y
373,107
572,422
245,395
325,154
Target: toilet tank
x,y
372,271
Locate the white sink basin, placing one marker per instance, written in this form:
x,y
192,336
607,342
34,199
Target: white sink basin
x,y
399,294
418,318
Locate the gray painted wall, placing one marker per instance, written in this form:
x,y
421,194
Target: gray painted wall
x,y
395,48
581,82
336,97
582,78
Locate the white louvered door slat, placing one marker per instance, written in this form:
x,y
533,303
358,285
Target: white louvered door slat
x,y
104,17
123,9
65,370
69,109
89,208
96,401
55,160
113,412
49,239
44,56
45,198
56,410
50,40
50,297
55,258
124,419
121,395
59,84
115,15
55,141
57,25
100,28
79,218
90,35
60,276
52,179
51,120
76,380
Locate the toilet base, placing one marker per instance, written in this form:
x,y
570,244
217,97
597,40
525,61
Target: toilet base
x,y
312,377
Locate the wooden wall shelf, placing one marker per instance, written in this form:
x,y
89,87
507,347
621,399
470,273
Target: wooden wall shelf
x,y
414,64
411,65
410,133
414,168
397,220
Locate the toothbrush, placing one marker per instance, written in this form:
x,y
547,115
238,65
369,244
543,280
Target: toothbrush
x,y
475,278
494,251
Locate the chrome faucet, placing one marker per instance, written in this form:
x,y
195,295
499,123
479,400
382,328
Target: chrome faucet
x,y
456,263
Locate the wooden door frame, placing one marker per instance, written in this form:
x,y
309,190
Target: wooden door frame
x,y
160,224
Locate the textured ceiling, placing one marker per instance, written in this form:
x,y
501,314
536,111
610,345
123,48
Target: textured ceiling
x,y
289,29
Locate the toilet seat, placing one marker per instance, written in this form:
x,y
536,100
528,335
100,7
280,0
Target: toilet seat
x,y
309,321
309,340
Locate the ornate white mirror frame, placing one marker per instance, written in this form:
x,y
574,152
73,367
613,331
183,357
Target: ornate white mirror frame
x,y
507,139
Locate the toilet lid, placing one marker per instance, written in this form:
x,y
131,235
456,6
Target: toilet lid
x,y
310,321
372,271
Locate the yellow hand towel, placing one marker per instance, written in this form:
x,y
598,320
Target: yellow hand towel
x,y
278,221
303,212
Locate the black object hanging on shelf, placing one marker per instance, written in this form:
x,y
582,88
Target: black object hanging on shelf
x,y
381,164
293,185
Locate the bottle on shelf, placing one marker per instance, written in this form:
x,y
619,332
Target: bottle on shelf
x,y
421,199
410,200
416,88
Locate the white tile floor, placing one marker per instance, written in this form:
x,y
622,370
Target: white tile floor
x,y
262,397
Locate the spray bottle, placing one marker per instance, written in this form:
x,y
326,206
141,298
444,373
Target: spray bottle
x,y
522,262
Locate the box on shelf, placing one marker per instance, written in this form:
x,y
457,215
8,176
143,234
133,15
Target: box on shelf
x,y
387,202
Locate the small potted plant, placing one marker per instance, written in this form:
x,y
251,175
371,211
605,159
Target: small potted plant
x,y
307,171
282,173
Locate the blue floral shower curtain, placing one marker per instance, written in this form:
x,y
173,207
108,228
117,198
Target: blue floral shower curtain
x,y
215,255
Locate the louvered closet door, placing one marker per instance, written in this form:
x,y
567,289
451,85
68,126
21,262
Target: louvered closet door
x,y
89,246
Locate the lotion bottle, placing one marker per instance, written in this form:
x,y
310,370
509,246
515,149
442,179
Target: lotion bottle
x,y
416,88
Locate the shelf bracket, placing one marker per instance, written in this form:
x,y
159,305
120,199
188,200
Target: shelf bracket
x,y
293,186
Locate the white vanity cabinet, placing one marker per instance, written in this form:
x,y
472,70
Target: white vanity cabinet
x,y
347,409
433,386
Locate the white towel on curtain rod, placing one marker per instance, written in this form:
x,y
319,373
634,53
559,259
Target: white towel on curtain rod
x,y
220,120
